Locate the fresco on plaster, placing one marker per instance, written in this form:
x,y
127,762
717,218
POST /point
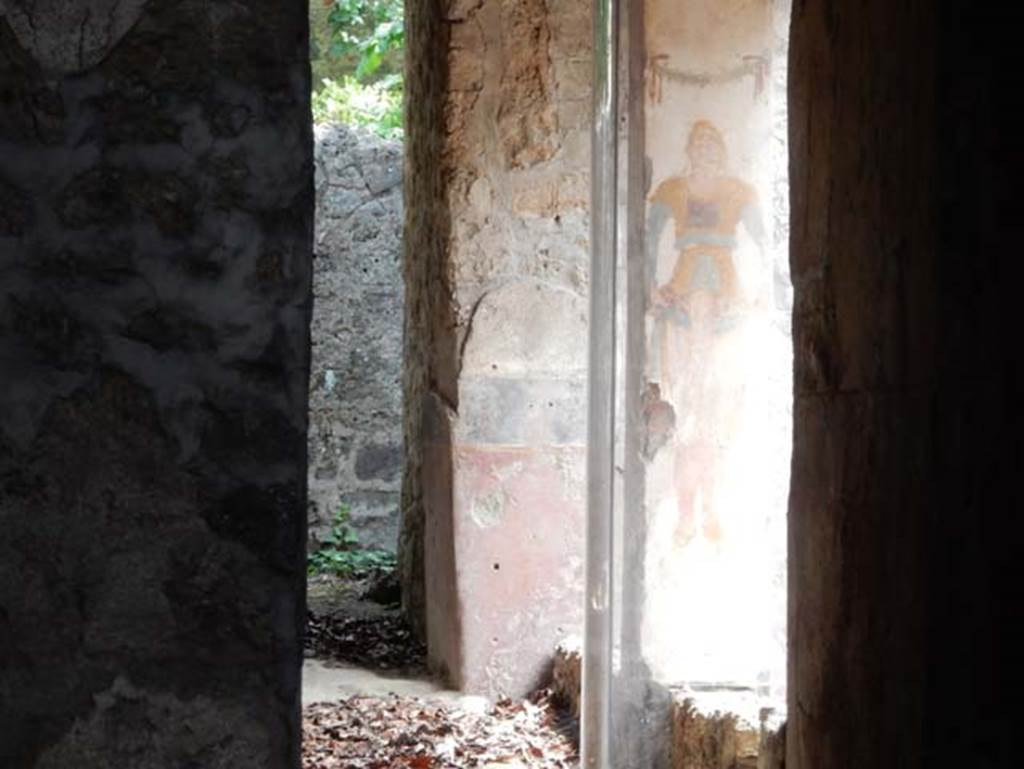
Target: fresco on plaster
x,y
716,361
701,300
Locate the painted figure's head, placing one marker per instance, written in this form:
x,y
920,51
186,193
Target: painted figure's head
x,y
706,148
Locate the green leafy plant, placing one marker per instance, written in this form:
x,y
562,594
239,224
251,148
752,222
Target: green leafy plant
x,y
374,106
340,553
368,31
357,48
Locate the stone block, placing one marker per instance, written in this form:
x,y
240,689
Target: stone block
x,y
378,461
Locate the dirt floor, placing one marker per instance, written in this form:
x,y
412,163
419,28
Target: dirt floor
x,y
358,621
391,732
371,705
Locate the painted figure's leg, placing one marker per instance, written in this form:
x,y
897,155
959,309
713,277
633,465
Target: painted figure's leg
x,y
694,481
701,307
728,294
682,275
711,525
687,480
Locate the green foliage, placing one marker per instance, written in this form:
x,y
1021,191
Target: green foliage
x,y
368,30
375,106
339,551
357,63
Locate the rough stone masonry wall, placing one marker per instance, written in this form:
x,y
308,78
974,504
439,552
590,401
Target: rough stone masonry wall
x,y
904,518
496,281
355,430
156,200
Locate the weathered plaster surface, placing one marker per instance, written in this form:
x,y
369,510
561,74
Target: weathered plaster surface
x,y
156,182
716,493
355,432
496,279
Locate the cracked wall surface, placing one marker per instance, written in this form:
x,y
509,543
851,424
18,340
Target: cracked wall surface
x,y
355,431
155,237
496,279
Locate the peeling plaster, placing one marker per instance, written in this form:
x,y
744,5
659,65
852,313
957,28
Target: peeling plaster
x,y
487,510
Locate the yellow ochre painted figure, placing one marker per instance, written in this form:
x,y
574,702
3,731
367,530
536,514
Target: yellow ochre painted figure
x,y
701,301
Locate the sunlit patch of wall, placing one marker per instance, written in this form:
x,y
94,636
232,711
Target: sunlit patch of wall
x,y
719,345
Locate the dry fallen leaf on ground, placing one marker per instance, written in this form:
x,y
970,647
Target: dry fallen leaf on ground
x,y
407,733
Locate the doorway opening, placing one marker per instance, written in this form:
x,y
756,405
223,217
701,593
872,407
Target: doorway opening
x,y
368,698
355,633
687,588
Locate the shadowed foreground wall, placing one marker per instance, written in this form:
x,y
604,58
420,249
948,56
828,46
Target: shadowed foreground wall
x,y
155,237
906,467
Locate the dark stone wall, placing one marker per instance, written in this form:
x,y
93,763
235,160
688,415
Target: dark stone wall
x,y
906,466
156,201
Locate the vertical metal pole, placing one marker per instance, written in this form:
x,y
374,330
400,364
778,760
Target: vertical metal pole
x,y
596,722
634,301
